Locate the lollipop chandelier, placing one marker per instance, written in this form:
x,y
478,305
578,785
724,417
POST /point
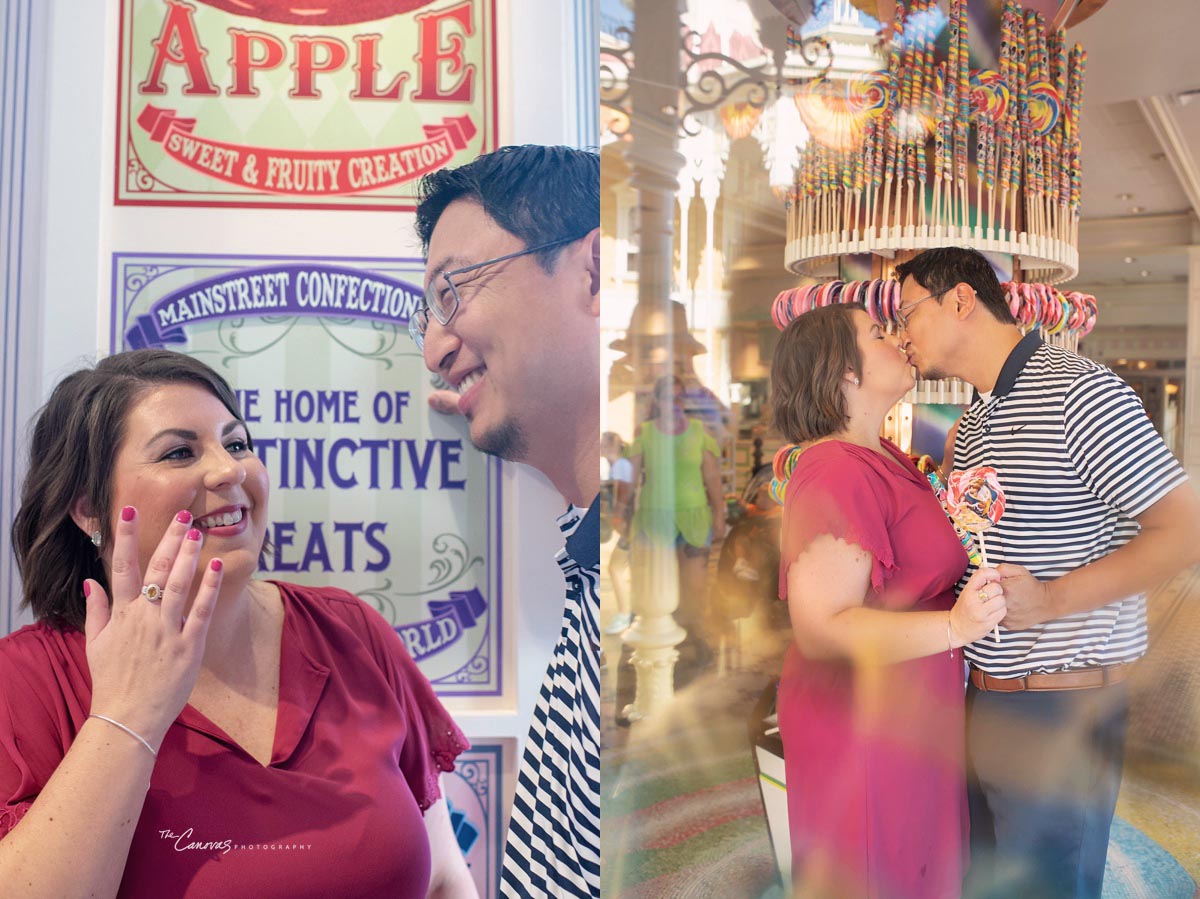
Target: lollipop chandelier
x,y
926,149
932,151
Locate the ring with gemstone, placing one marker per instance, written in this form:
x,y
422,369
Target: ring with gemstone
x,y
152,592
983,595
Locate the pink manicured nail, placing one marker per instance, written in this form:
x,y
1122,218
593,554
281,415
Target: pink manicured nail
x,y
127,513
215,564
184,517
87,589
193,534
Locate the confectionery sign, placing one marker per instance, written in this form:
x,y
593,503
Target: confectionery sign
x,y
330,104
369,492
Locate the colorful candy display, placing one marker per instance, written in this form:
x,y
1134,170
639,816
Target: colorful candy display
x,y
1032,305
1004,161
1046,307
782,466
879,296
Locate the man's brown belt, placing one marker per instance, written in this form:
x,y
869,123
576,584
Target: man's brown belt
x,y
1079,679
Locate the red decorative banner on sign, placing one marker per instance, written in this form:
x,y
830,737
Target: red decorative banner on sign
x,y
305,172
318,12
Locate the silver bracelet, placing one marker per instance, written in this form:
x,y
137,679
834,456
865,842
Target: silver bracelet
x,y
949,636
130,731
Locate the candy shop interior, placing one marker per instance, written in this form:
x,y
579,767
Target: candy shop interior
x,y
761,158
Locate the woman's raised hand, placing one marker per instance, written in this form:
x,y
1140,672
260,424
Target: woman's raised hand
x,y
979,608
143,653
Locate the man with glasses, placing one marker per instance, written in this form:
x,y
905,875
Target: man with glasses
x,y
511,322
1097,512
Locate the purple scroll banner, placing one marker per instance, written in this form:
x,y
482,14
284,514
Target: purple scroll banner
x,y
452,617
282,290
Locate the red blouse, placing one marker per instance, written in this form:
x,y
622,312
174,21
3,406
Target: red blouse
x,y
359,740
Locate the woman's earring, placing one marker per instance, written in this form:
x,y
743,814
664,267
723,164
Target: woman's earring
x,y
97,539
856,382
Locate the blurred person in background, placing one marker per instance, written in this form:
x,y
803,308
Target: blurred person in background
x,y
619,483
679,505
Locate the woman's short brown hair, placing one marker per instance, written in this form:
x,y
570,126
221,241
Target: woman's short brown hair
x,y
810,361
76,438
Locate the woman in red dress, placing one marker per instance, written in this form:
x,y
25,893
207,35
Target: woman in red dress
x,y
871,697
184,728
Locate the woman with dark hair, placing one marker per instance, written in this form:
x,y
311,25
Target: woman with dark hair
x,y
171,726
680,504
871,698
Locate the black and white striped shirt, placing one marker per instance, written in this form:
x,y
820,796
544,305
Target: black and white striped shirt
x,y
1079,461
554,836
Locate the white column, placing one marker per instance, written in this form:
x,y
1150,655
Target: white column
x,y
1191,439
683,282
582,112
24,50
710,191
715,319
654,163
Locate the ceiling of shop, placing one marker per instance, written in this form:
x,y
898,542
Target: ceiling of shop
x,y
1125,169
1141,132
1141,181
1139,48
1107,269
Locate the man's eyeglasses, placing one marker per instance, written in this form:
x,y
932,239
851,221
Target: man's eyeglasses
x,y
902,316
442,300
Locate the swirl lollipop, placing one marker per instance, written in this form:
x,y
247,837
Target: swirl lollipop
x,y
975,498
990,95
939,490
1045,106
867,95
836,112
975,501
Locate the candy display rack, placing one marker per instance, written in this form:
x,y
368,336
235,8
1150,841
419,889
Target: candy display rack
x,y
956,141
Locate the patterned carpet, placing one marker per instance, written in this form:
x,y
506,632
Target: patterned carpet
x,y
1139,868
681,807
680,804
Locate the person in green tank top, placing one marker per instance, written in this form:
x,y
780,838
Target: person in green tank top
x,y
680,501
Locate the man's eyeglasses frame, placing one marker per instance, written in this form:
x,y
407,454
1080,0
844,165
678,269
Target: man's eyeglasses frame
x,y
419,323
902,316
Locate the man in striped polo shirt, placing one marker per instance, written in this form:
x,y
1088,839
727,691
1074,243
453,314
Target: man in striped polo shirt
x,y
511,321
1098,512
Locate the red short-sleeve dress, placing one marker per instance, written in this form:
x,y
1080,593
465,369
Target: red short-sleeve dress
x,y
360,739
874,757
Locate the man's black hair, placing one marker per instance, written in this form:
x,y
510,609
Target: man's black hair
x,y
538,194
938,270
